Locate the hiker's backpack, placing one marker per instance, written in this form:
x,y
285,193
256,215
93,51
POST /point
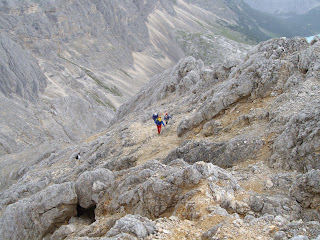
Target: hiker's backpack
x,y
155,116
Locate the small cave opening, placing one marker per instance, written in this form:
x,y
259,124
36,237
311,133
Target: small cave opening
x,y
86,213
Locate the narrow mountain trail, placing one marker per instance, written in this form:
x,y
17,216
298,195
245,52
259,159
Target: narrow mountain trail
x,y
151,144
197,214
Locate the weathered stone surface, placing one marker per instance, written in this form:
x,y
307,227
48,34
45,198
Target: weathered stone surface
x,y
280,235
224,154
90,185
32,218
20,74
133,224
151,195
124,236
276,205
211,232
256,203
205,47
296,148
300,237
306,189
211,128
63,232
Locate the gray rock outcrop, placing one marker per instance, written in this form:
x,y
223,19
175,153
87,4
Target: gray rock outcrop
x,y
276,205
306,189
139,226
223,154
89,185
32,218
297,145
67,66
20,74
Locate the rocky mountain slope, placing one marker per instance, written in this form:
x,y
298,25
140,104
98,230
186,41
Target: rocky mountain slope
x,y
239,160
67,66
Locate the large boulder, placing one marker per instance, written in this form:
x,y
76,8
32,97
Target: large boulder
x,y
157,196
32,218
91,184
135,225
276,205
297,147
306,189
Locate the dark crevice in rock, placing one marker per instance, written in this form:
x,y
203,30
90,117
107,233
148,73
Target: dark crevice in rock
x,y
86,213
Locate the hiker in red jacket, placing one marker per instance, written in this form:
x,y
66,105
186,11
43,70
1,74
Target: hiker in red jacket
x,y
158,121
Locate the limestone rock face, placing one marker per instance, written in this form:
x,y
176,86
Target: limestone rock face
x,y
32,218
20,74
276,205
139,226
225,154
151,195
67,66
306,189
297,145
89,185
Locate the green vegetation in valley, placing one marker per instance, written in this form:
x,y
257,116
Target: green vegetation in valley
x,y
106,103
121,70
253,26
261,26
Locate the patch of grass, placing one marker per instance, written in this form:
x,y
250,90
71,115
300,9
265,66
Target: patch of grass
x,y
225,31
114,90
121,70
106,103
199,23
219,29
60,56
